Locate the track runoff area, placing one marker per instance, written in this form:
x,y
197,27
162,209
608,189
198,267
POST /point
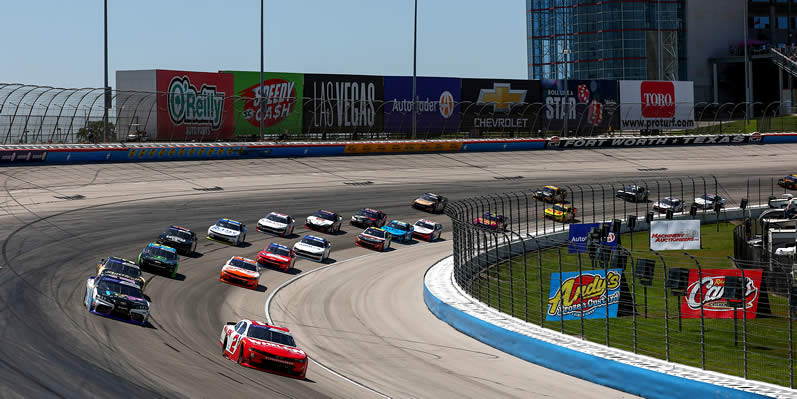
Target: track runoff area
x,y
362,317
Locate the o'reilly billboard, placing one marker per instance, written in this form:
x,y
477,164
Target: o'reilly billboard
x,y
282,110
197,105
438,104
343,103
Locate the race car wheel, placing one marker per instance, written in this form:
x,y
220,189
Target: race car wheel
x,y
224,348
241,356
174,273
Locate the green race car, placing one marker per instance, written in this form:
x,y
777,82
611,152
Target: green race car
x,y
159,258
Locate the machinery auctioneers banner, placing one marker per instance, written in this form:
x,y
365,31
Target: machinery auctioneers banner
x,y
590,106
709,291
198,105
571,297
659,105
674,235
499,105
438,104
282,112
343,103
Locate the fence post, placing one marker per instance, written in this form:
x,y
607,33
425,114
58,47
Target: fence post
x,y
666,308
633,294
744,314
561,307
605,275
581,294
702,317
542,299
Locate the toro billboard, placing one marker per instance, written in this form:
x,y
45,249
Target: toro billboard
x,y
194,105
282,110
661,105
590,106
343,103
438,104
499,105
710,288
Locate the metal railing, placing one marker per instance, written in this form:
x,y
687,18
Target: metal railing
x,y
525,265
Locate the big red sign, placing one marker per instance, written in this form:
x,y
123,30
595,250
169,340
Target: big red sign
x,y
709,291
194,105
658,99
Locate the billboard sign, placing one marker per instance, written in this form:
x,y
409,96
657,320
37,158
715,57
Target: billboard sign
x,y
499,105
578,237
661,105
590,106
572,296
674,235
196,106
709,290
343,103
282,110
438,104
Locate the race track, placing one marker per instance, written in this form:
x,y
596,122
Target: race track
x,y
363,316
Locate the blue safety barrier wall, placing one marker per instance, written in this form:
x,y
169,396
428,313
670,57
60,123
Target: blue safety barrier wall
x,y
610,373
780,138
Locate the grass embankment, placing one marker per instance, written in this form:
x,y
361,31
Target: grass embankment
x,y
767,336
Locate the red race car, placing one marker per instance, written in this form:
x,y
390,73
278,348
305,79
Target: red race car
x,y
278,256
261,346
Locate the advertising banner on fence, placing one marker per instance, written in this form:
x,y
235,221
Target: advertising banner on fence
x,y
399,147
709,291
571,297
197,105
343,103
578,237
282,111
674,235
659,105
438,104
499,105
590,106
562,142
22,156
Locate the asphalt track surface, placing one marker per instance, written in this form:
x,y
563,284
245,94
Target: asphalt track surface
x,y
362,316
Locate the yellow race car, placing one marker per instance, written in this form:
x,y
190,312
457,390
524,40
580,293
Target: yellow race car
x,y
561,213
550,194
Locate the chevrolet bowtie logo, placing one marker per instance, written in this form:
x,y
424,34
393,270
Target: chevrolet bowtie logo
x,y
501,96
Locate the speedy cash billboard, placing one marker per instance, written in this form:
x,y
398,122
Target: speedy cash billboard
x,y
438,104
590,106
282,111
196,105
499,105
709,291
660,105
343,103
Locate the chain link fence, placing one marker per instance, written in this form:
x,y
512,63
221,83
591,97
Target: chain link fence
x,y
515,254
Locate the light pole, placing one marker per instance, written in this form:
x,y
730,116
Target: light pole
x,y
414,72
106,92
746,73
566,53
262,56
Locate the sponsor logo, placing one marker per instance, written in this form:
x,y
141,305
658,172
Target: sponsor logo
x,y
502,97
710,291
651,141
446,104
755,137
686,236
188,105
658,99
584,294
553,142
279,96
344,104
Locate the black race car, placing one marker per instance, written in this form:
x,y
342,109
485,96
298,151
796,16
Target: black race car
x,y
430,202
368,217
179,238
633,193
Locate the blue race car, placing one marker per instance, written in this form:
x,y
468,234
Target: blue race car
x,y
401,231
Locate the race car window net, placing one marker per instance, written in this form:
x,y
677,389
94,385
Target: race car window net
x,y
228,225
547,191
279,250
277,218
243,265
368,213
375,233
559,208
399,226
429,197
491,217
271,335
315,243
155,251
325,215
106,286
122,268
425,225
179,233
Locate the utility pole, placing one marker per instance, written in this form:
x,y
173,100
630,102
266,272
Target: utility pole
x,y
262,56
746,72
415,73
106,90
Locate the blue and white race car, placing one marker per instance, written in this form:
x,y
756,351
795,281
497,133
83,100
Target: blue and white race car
x,y
401,231
228,230
117,298
315,248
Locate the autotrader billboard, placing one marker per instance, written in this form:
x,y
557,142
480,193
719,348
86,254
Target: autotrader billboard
x,y
196,105
343,103
590,106
499,105
657,105
282,111
438,104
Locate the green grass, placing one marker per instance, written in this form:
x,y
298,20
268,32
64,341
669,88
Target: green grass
x,y
767,336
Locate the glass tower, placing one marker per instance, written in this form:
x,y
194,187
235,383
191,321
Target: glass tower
x,y
622,39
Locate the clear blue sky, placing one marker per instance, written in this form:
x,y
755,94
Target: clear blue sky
x,y
59,43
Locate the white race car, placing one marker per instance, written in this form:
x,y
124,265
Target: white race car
x,y
229,231
276,223
324,221
668,203
316,248
707,201
427,230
